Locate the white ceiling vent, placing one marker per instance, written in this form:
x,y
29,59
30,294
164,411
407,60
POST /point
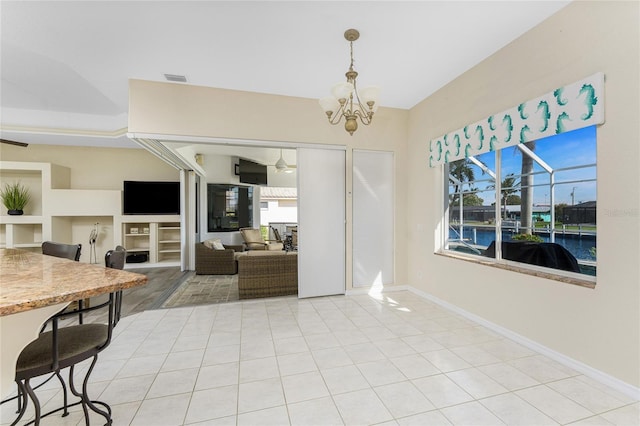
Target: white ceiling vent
x,y
175,77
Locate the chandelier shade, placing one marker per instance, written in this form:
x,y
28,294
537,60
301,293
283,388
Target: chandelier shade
x,y
342,90
346,102
370,94
329,104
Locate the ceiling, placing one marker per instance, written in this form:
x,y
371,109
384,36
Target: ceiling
x,y
65,65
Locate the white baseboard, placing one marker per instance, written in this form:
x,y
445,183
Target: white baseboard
x,y
604,378
368,290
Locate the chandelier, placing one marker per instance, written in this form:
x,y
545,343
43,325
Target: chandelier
x,y
346,101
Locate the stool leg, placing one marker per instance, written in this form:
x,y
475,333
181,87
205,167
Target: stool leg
x,y
86,401
80,308
90,403
65,413
36,402
22,402
20,398
41,384
72,387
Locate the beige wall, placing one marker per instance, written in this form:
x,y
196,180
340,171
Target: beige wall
x,y
184,110
95,168
599,327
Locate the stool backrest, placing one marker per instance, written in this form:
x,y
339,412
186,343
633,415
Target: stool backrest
x,y
115,258
66,251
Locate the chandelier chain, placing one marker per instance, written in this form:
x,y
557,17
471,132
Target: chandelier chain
x,y
351,65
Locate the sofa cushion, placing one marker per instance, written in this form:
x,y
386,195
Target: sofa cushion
x,y
239,254
266,253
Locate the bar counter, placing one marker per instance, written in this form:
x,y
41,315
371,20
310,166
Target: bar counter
x,y
33,287
30,280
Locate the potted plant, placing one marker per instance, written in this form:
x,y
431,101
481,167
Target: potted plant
x,y
14,197
527,237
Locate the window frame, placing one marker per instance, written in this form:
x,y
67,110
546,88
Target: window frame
x,y
498,226
234,202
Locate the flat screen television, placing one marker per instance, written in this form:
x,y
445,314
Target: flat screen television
x,y
144,197
251,172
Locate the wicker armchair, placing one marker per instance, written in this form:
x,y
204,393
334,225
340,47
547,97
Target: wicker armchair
x,y
215,262
253,240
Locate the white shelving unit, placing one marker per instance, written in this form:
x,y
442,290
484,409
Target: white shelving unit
x,y
136,238
58,213
21,232
25,231
156,235
169,242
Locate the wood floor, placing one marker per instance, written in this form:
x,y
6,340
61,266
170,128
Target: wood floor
x,y
162,283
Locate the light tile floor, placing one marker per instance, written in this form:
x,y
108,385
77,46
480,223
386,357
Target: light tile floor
x,y
394,359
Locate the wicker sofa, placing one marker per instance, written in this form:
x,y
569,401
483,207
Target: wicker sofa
x,y
267,274
216,262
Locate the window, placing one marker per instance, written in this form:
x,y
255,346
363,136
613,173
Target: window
x,y
501,204
229,207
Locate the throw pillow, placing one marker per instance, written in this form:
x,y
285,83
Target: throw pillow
x,y
217,245
210,243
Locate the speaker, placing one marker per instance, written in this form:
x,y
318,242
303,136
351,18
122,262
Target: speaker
x,y
137,257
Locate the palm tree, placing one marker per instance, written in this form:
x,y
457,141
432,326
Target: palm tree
x,y
509,186
526,179
461,172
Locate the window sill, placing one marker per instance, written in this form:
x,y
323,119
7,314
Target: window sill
x,y
569,278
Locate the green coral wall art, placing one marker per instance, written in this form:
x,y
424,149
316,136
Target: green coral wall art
x,y
566,108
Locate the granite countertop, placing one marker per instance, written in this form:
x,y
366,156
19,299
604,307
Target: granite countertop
x,y
30,280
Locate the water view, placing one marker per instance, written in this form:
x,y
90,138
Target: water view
x,y
579,245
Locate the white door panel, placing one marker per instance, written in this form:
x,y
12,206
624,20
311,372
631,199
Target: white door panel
x,y
373,218
321,222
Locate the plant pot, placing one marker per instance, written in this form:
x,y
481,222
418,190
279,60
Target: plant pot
x,y
15,212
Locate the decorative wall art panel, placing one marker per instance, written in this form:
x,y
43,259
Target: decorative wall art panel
x,y
567,108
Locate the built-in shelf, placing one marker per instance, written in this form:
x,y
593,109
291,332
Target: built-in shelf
x,y
58,213
169,242
159,236
28,245
21,219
